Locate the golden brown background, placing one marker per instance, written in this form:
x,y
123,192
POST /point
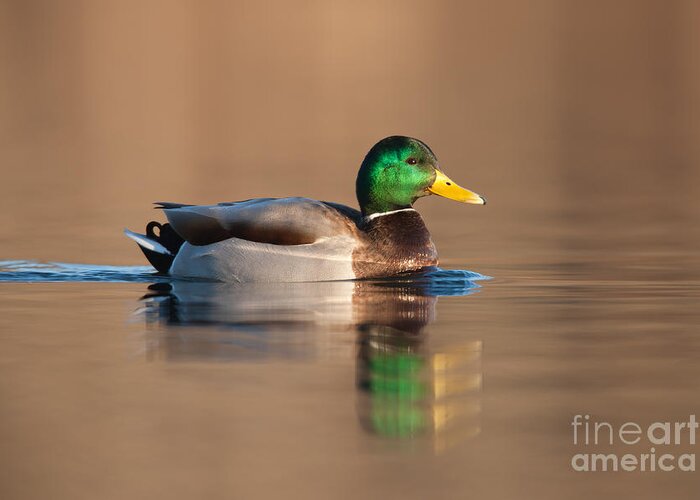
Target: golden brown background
x,y
552,109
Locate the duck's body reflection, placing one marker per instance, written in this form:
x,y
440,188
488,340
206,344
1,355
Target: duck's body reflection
x,y
405,388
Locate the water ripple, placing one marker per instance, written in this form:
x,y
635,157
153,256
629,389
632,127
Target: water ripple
x,y
434,282
26,271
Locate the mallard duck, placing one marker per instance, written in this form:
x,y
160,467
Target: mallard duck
x,y
301,239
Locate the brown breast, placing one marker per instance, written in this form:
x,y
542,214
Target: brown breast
x,y
394,243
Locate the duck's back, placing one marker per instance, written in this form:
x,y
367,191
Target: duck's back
x,y
279,221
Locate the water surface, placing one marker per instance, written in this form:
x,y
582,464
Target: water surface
x,y
117,383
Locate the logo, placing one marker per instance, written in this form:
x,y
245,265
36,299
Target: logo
x,y
664,446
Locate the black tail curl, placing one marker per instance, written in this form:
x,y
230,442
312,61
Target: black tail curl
x,y
169,239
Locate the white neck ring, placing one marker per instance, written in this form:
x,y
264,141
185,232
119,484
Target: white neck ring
x,y
382,214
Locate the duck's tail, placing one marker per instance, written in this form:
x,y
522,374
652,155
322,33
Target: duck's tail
x,y
160,249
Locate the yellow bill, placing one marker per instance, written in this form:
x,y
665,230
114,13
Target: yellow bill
x,y
446,187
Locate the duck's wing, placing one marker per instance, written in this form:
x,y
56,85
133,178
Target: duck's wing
x,y
280,221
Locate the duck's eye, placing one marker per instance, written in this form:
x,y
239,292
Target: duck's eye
x,y
411,161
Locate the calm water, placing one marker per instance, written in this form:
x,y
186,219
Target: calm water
x,y
117,384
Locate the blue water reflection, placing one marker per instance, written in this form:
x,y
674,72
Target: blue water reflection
x,y
27,271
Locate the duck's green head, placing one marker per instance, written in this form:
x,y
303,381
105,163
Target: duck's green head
x,y
397,171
